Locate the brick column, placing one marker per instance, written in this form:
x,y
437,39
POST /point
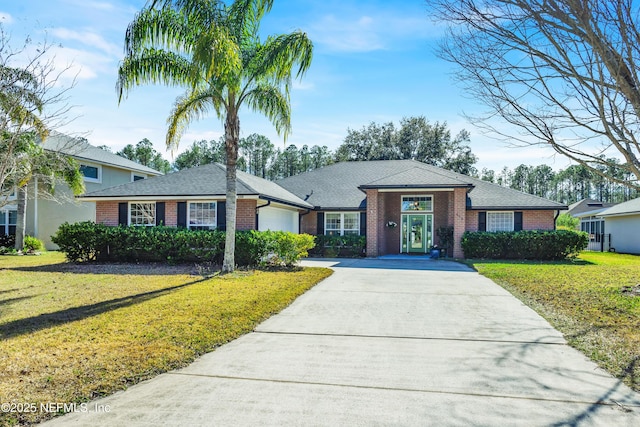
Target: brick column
x,y
459,219
372,223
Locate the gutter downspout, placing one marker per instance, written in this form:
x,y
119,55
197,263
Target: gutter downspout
x,y
555,219
258,207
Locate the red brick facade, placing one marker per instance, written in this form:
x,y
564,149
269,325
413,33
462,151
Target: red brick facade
x,y
107,213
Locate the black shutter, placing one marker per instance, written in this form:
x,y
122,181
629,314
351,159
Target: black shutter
x,y
222,216
320,228
482,221
123,213
159,213
363,223
182,214
517,221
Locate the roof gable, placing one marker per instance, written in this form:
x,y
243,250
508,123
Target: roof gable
x,y
82,150
202,181
339,186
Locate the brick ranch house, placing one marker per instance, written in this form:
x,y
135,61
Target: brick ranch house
x,y
397,204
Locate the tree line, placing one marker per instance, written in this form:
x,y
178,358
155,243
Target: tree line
x,y
415,138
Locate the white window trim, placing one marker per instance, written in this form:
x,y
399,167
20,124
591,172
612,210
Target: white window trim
x,y
416,195
155,213
93,165
215,225
342,229
134,174
513,220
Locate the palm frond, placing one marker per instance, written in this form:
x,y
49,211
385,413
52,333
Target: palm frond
x,y
279,55
189,108
160,29
270,101
152,66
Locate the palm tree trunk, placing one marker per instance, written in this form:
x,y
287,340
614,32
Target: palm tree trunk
x,y
21,222
232,139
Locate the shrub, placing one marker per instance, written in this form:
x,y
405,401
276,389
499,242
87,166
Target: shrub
x,y
7,240
33,244
344,246
88,241
532,245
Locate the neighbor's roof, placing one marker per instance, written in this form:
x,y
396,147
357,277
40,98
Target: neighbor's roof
x,y
341,185
202,181
82,150
632,207
578,209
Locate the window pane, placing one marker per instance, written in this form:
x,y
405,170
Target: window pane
x,y
143,214
202,215
415,203
499,221
332,224
3,220
351,222
138,177
89,171
13,217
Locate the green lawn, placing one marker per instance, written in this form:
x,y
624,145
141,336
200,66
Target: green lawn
x,y
71,333
583,299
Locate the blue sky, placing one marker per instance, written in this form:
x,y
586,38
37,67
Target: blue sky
x,y
373,61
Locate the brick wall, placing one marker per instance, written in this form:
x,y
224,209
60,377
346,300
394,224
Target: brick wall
x,y
531,220
373,223
246,215
309,223
459,219
171,214
538,220
389,204
107,213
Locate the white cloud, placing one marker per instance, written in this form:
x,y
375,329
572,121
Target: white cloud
x,y
5,18
99,5
369,32
87,38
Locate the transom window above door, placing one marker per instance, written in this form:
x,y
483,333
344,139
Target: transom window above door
x,y
417,203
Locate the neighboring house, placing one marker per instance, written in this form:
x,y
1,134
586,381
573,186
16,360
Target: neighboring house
x,y
195,198
101,169
362,198
587,210
622,223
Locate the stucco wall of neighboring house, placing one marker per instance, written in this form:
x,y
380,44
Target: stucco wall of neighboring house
x,y
44,216
624,232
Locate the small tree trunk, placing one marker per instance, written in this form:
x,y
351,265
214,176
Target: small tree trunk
x,y
232,138
21,223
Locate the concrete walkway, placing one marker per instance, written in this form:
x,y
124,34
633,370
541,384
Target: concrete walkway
x,y
384,342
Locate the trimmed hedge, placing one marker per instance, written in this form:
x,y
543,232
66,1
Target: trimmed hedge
x,y
88,241
340,246
531,245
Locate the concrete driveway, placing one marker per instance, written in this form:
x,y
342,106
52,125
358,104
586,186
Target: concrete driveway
x,y
384,342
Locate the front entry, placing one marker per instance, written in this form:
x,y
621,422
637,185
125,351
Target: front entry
x,y
417,233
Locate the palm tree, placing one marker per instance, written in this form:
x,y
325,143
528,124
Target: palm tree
x,y
214,51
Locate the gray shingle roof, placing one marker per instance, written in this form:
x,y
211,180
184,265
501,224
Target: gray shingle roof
x,y
206,180
81,150
587,205
339,186
632,207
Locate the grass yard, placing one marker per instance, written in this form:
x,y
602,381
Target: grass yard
x,y
71,333
586,301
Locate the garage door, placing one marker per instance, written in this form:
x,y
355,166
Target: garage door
x,y
277,219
